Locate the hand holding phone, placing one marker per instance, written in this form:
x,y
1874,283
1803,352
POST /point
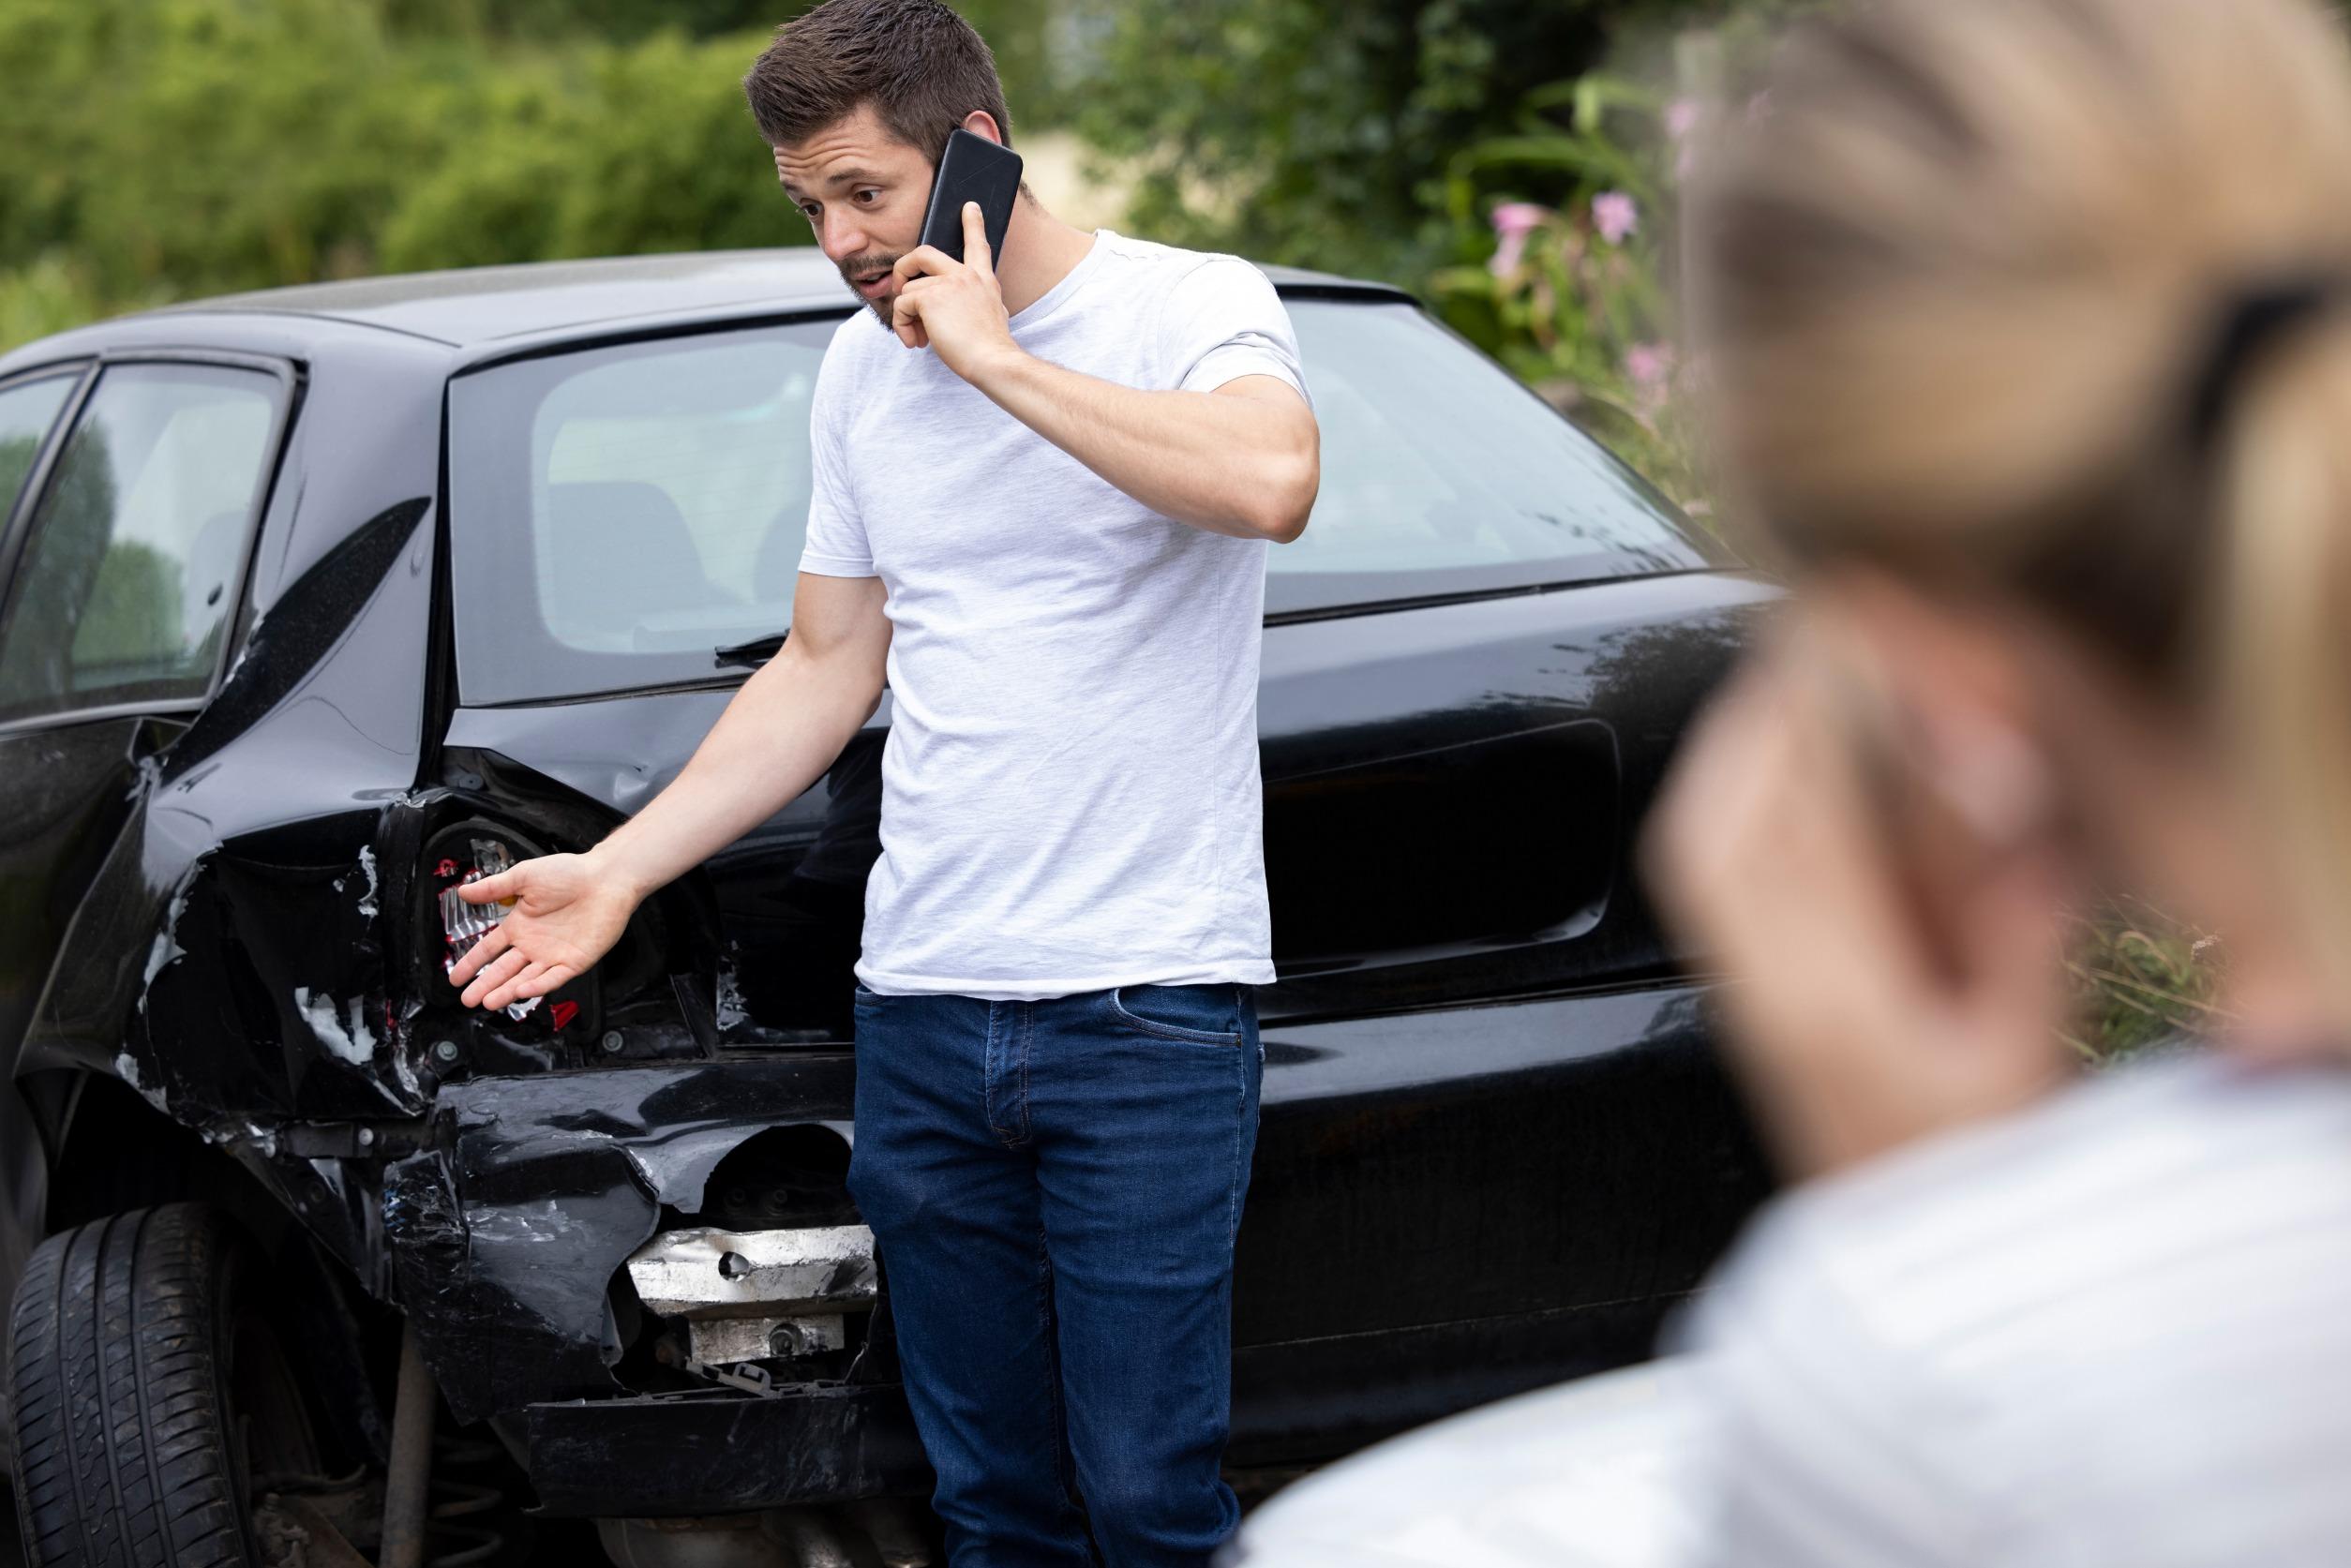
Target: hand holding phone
x,y
971,169
948,297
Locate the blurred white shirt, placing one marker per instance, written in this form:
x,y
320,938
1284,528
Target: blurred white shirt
x,y
1587,1475
2114,1330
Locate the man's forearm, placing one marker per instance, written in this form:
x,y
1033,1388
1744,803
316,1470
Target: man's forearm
x,y
783,728
1241,465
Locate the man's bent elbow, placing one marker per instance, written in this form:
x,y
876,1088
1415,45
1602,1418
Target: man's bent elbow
x,y
1284,504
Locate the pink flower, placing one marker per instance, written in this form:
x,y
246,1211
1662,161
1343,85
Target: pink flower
x,y
1681,118
1517,217
1650,368
1615,215
1513,221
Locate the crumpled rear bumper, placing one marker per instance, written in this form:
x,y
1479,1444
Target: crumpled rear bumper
x,y
723,1451
511,1230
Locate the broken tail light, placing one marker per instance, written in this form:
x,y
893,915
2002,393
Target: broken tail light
x,y
463,925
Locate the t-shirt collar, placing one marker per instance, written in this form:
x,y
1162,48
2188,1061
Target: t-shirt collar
x,y
1046,302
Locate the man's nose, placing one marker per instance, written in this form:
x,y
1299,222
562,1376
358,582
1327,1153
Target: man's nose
x,y
841,237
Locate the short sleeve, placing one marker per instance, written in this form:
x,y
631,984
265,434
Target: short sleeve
x,y
836,545
1222,321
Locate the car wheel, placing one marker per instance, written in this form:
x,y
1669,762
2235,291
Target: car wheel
x,y
148,1392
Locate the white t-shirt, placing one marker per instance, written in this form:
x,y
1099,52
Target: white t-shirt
x,y
2113,1330
1069,790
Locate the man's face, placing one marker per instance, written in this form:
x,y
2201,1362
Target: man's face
x,y
864,192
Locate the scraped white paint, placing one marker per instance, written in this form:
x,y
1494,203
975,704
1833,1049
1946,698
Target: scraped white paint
x,y
355,1043
162,953
165,947
368,864
544,1220
406,1072
127,1068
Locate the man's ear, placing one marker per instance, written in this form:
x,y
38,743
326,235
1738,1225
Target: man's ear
x,y
980,122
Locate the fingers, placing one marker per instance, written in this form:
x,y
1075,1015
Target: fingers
x,y
494,975
905,317
493,942
487,889
977,256
922,262
529,981
548,978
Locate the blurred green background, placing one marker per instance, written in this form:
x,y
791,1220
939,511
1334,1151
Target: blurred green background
x,y
170,149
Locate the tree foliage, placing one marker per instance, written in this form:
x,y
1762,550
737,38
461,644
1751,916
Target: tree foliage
x,y
1321,134
169,149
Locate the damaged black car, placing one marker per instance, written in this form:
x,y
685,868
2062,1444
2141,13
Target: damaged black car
x,y
322,600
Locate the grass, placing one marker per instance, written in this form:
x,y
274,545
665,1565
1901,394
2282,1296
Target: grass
x,y
2141,977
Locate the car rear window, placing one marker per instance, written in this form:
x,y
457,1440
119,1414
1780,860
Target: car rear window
x,y
622,513
1442,473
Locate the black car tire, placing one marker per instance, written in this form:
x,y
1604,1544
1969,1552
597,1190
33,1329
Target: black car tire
x,y
128,1451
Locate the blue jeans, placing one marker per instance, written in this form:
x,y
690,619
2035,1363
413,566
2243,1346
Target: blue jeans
x,y
1055,1187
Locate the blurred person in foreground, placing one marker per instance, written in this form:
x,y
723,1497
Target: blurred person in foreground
x,y
2030,324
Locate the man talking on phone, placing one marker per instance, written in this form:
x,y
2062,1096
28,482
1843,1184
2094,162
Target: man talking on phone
x,y
1044,482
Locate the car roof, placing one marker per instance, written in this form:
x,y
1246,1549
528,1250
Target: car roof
x,y
479,307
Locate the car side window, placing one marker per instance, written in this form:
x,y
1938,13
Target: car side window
x,y
127,585
26,411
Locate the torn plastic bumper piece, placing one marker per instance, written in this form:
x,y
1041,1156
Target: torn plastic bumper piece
x,y
749,1294
747,1273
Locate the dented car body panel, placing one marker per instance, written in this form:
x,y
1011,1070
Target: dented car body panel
x,y
1495,1147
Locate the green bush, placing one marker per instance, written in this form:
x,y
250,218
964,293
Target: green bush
x,y
1321,135
594,151
1573,293
178,148
200,144
47,295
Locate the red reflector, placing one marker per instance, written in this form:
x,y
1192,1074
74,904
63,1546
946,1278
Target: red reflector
x,y
562,1013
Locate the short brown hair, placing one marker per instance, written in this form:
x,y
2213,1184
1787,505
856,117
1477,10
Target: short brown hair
x,y
921,65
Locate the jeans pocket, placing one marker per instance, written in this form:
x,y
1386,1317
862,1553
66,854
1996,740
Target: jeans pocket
x,y
1204,1014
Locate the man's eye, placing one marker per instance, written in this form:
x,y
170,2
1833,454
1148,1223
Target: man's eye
x,y
862,196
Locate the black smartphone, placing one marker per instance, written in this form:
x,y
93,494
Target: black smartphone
x,y
972,169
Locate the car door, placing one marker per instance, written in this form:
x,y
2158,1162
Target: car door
x,y
129,490
29,408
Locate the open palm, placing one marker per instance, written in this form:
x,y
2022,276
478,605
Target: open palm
x,y
565,917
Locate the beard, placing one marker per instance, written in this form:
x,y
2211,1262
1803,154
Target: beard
x,y
866,266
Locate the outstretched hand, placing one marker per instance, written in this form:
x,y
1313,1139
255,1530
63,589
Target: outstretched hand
x,y
567,912
956,307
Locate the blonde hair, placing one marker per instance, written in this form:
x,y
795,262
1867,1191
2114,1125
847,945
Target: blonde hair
x,y
1982,286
